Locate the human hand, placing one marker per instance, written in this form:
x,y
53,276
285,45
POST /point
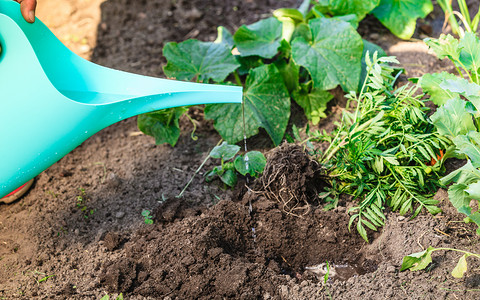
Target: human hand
x,y
27,7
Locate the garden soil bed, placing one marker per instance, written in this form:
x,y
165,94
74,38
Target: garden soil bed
x,y
79,233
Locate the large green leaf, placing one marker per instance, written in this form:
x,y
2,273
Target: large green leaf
x,y
162,125
345,7
474,190
314,103
267,105
469,90
469,144
201,60
459,198
430,84
453,119
462,178
333,57
400,16
261,38
470,53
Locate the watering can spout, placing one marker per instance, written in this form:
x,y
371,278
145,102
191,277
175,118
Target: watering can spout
x,y
205,94
68,99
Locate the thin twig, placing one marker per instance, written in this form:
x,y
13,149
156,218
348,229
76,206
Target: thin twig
x,y
196,172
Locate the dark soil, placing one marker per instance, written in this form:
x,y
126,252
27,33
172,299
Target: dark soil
x,y
79,233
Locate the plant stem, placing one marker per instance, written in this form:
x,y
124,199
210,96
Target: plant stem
x,y
468,73
461,251
446,6
459,71
196,172
464,11
237,78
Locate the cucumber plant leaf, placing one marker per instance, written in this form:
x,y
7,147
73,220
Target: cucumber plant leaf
x,y
400,16
267,105
261,38
224,37
344,7
229,177
252,163
461,267
247,63
333,57
351,19
430,84
291,13
314,103
225,151
201,60
417,261
290,73
162,125
452,119
289,17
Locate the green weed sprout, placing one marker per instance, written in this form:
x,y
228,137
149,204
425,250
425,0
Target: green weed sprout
x,y
148,218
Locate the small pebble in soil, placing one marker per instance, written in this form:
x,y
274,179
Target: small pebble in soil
x,y
119,214
113,180
391,269
401,218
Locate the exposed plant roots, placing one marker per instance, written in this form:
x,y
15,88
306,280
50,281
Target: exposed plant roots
x,y
291,178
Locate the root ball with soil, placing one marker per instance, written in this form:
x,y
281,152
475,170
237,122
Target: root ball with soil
x,y
292,178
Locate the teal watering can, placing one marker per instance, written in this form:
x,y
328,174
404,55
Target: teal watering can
x,y
51,100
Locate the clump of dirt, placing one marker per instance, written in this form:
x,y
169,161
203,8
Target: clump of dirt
x,y
292,178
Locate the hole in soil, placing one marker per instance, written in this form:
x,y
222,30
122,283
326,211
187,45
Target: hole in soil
x,y
293,230
302,246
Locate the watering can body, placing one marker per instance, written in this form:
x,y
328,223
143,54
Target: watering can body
x,y
51,100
